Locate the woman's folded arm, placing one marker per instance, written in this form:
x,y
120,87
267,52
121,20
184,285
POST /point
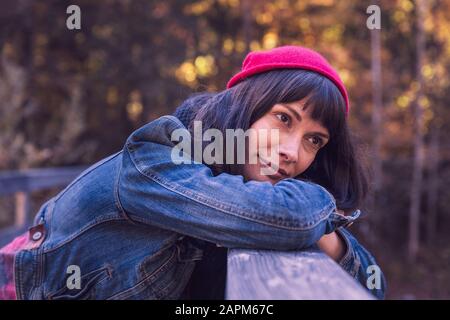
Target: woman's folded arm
x,y
190,200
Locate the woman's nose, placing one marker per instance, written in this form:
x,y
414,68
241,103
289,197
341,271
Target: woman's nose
x,y
288,153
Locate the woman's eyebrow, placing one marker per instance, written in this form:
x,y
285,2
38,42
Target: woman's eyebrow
x,y
323,135
299,118
296,114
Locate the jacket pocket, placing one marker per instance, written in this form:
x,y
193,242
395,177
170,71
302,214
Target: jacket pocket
x,y
163,275
151,271
88,282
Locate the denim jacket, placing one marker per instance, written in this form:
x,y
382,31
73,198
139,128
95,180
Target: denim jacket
x,y
126,224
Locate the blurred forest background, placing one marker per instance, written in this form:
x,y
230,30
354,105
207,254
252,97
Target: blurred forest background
x,y
71,97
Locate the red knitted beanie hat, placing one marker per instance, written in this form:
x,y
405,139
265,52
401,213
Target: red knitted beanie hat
x,y
289,57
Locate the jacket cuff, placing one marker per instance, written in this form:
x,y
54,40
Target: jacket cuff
x,y
350,261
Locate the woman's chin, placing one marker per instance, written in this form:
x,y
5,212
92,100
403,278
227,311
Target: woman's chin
x,y
263,178
254,174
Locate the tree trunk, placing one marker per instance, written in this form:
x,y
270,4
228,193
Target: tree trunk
x,y
246,23
433,179
416,185
377,105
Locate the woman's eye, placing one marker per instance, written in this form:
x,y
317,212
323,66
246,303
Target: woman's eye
x,y
284,118
316,141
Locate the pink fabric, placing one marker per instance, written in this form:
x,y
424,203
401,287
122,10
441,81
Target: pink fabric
x,y
7,256
289,57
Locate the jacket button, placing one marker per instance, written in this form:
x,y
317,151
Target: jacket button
x,y
37,235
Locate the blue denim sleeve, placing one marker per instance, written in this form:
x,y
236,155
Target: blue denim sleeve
x,y
223,209
361,265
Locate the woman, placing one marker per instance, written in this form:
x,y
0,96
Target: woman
x,y
282,85
134,225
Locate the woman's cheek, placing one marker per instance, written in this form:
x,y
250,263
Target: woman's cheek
x,y
305,165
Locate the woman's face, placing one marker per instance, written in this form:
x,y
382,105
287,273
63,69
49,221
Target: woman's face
x,y
300,138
